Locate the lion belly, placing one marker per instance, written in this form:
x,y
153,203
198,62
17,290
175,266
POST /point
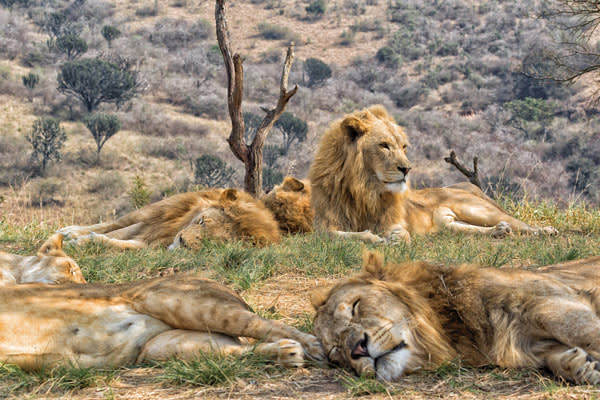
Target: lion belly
x,y
83,332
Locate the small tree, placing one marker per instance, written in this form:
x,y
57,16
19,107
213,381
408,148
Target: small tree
x,y
94,81
317,71
292,128
46,138
139,193
531,116
211,171
102,127
71,45
110,33
57,24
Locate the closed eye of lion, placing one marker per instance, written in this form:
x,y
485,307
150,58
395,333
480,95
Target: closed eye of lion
x,y
360,188
98,325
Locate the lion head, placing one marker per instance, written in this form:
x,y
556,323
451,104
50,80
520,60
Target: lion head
x,y
236,215
52,265
290,204
378,326
361,161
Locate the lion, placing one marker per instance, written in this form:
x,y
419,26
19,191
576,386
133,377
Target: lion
x,y
290,204
185,219
396,319
50,265
100,325
360,188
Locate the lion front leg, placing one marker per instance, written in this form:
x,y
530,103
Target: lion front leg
x,y
93,237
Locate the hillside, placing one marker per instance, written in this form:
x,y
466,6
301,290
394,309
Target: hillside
x,y
448,71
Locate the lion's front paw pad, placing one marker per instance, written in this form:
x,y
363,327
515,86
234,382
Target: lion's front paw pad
x,y
501,230
585,369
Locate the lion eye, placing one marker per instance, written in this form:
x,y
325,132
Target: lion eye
x,y
201,222
355,307
384,146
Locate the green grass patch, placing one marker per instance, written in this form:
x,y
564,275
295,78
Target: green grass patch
x,y
359,386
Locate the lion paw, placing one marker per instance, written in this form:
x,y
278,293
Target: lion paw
x,y
548,231
584,369
501,230
398,236
288,352
368,237
313,350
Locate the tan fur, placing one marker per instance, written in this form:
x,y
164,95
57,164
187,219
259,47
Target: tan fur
x,y
400,318
225,214
112,325
360,188
50,265
290,204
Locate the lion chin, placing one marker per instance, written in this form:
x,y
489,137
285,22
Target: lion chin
x,y
397,187
393,320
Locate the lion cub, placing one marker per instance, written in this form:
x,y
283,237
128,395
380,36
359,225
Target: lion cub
x,y
50,265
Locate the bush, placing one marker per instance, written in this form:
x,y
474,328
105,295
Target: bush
x,y
387,56
316,9
94,81
292,129
317,71
102,127
211,171
72,46
45,192
139,194
107,185
276,32
30,80
110,33
176,34
46,138
271,177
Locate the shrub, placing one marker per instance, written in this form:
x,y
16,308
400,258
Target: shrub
x,y
347,38
177,33
72,46
275,32
107,185
46,138
102,127
271,177
30,80
316,9
110,33
139,194
317,71
94,81
211,171
387,56
45,192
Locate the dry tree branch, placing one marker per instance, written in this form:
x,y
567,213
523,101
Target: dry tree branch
x,y
472,175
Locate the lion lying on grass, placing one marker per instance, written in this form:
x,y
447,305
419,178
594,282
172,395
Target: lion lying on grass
x,y
360,188
113,325
290,204
185,219
393,320
50,265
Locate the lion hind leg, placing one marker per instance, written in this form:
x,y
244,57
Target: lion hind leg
x,y
185,345
444,217
574,364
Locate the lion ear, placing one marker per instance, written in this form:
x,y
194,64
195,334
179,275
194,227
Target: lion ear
x,y
355,127
291,184
229,195
373,264
380,112
319,296
54,242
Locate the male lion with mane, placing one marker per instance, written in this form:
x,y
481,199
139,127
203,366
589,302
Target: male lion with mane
x,y
359,179
99,325
393,320
185,220
50,265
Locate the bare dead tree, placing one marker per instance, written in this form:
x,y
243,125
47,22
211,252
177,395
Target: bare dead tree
x,y
472,175
250,154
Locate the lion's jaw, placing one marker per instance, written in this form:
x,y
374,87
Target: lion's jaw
x,y
354,336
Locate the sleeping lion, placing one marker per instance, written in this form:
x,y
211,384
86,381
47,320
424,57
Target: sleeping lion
x,y
360,188
50,265
98,325
395,319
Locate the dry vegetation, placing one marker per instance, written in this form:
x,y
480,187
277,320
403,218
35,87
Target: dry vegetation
x,y
451,69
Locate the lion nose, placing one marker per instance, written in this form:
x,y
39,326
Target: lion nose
x,y
360,350
404,170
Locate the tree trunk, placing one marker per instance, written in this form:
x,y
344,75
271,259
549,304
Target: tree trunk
x,y
251,155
